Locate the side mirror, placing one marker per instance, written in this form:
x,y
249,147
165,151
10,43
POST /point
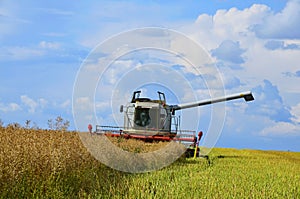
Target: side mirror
x,y
121,109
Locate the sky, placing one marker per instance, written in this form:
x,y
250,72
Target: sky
x,y
254,45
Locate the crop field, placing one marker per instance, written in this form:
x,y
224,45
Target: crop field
x,y
55,164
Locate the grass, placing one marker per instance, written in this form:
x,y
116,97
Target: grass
x,y
55,164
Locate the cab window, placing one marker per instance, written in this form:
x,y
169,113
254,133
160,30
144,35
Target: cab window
x,y
141,117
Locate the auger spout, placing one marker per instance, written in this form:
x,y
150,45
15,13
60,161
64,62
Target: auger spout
x,y
246,95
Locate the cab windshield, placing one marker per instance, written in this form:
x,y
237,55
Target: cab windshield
x,y
142,117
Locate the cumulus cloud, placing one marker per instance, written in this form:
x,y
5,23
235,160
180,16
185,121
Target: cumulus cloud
x,y
257,45
83,103
30,103
65,104
295,111
19,53
233,24
42,102
49,45
276,44
10,107
10,21
266,116
231,82
282,25
269,103
281,129
57,11
229,51
232,41
33,104
292,74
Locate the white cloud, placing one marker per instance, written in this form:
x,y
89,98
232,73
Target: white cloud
x,y
32,104
31,52
277,44
231,82
42,102
54,34
258,61
55,11
281,129
266,116
102,105
83,103
10,21
229,51
11,107
240,120
49,45
281,25
20,53
66,104
295,111
269,103
231,24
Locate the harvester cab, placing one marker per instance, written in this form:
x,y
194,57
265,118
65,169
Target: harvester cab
x,y
146,116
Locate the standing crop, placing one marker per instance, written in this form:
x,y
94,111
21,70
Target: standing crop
x,y
37,163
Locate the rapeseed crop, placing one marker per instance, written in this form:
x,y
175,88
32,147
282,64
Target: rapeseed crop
x,y
54,164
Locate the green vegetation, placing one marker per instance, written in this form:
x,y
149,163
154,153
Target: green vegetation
x,y
38,163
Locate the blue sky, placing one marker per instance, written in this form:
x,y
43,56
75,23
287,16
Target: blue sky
x,y
254,44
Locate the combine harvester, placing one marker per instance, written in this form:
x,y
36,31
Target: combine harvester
x,y
151,120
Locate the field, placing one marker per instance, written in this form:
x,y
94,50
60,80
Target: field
x,y
55,164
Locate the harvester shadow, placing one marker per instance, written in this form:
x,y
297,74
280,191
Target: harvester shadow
x,y
211,160
207,160
230,156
